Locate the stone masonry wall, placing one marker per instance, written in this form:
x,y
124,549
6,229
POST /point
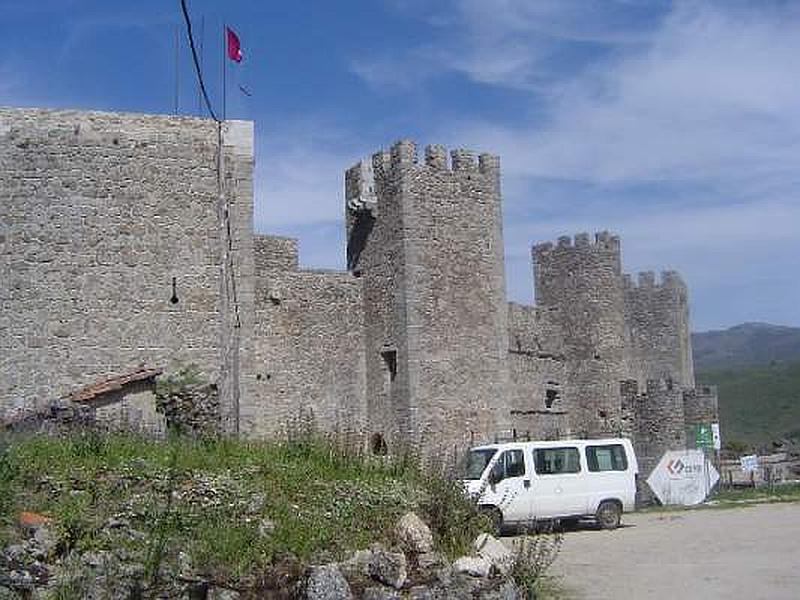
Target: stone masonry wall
x,y
581,283
98,213
658,343
308,346
659,420
375,253
536,363
431,253
701,406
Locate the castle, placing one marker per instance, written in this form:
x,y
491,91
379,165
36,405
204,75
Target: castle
x,y
127,240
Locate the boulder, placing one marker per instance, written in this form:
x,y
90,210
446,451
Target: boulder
x,y
380,593
413,534
389,568
430,562
327,583
219,593
504,591
496,552
474,566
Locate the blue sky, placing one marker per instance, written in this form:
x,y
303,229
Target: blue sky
x,y
674,124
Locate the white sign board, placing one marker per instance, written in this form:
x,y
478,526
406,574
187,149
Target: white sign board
x,y
683,477
717,438
749,463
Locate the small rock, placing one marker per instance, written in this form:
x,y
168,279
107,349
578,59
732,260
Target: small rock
x,y
493,550
16,553
218,593
420,592
472,565
327,583
505,591
94,559
47,540
266,527
388,567
185,565
116,523
380,593
413,534
256,503
430,561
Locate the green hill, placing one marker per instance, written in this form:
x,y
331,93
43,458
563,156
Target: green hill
x,y
745,345
758,404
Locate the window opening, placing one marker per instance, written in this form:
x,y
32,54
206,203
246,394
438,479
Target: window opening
x,y
555,461
390,364
609,457
377,445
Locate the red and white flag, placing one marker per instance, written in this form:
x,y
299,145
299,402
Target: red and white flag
x,y
234,46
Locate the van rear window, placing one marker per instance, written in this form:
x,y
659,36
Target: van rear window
x,y
553,461
609,457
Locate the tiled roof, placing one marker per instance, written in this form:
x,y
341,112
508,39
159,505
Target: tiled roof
x,y
105,386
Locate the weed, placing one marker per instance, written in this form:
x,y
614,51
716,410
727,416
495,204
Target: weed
x,y
533,556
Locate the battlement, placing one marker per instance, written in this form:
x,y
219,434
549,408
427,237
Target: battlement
x,y
274,253
646,280
604,241
403,154
653,387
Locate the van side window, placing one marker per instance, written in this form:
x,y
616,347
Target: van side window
x,y
606,458
510,463
553,461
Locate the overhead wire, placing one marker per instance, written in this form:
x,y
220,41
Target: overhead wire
x,y
196,61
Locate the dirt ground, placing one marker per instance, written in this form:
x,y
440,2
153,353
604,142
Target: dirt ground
x,y
739,553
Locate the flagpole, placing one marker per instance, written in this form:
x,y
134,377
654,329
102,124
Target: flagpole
x,y
224,69
177,70
202,45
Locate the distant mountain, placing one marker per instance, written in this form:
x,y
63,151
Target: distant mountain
x,y
748,344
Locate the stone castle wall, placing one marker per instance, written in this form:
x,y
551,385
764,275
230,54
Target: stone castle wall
x,y
581,283
415,346
658,341
308,345
433,269
537,371
658,418
99,212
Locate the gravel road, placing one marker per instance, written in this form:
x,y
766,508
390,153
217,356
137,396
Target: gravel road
x,y
750,552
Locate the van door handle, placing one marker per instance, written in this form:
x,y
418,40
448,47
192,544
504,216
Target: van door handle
x,y
526,483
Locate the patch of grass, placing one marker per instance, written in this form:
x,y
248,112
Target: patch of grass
x,y
779,493
233,505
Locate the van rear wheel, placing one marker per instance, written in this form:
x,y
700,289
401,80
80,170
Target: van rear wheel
x,y
608,515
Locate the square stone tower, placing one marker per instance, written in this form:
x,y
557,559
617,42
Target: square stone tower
x,y
426,237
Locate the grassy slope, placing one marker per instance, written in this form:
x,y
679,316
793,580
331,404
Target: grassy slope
x,y
758,404
209,498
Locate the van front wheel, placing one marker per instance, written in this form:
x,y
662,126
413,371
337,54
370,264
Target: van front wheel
x,y
608,515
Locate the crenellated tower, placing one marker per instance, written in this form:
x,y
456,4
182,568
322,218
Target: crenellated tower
x,y
658,342
426,237
580,281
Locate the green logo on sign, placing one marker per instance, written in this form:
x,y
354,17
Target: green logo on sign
x,y
704,437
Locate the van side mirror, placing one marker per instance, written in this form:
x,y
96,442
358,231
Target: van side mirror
x,y
495,475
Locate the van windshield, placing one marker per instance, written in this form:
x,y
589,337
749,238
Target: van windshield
x,y
476,462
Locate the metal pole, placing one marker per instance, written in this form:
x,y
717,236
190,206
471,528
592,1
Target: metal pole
x,y
202,44
224,69
177,71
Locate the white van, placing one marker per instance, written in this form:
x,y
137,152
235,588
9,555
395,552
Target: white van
x,y
523,482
